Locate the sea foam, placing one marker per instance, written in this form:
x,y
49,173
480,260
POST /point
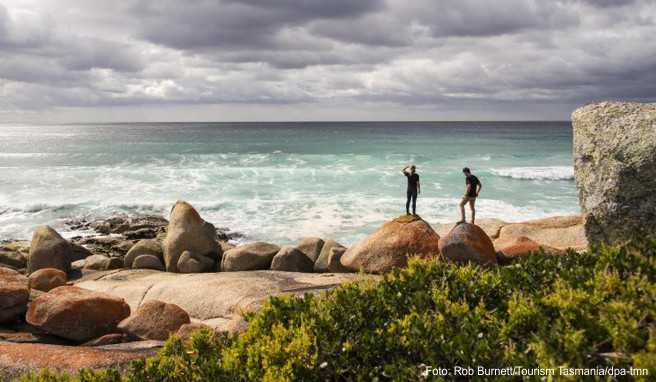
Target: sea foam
x,y
536,173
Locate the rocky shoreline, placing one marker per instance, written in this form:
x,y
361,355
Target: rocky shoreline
x,y
124,290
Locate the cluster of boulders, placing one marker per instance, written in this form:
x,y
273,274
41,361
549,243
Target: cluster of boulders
x,y
49,305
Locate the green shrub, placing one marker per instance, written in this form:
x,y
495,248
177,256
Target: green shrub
x,y
578,310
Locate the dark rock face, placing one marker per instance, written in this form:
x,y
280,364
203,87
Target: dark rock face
x,y
311,247
49,250
155,320
329,258
615,169
249,257
77,314
14,294
468,243
291,259
391,246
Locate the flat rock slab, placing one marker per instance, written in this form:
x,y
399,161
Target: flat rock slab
x,y
19,358
210,297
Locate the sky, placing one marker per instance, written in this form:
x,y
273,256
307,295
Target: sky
x,y
289,60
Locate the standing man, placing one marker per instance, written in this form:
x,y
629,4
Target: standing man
x,y
471,193
414,188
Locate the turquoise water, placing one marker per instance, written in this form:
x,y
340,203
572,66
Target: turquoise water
x,y
281,181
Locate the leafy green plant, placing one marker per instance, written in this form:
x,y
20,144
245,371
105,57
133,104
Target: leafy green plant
x,y
585,310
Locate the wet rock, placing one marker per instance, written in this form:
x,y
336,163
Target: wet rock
x,y
49,250
148,262
155,320
77,314
141,233
14,260
391,246
14,294
615,170
248,257
187,231
291,259
468,243
46,279
79,252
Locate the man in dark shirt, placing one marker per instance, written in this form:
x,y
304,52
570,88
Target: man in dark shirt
x,y
471,193
414,188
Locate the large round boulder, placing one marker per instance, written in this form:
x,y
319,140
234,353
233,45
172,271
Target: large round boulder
x,y
291,259
468,243
154,320
391,246
49,250
249,257
152,247
14,294
615,170
77,314
329,259
47,278
311,247
187,231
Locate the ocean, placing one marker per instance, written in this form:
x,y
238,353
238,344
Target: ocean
x,y
281,181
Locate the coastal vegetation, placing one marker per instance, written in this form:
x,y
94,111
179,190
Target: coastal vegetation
x,y
579,310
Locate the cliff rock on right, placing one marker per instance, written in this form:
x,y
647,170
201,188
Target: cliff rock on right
x,y
615,170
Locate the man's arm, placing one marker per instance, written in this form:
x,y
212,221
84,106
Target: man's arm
x,y
404,170
418,187
479,187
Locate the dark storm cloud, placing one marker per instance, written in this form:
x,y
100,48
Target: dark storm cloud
x,y
431,55
235,23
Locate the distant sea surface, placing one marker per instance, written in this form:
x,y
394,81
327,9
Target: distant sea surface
x,y
281,181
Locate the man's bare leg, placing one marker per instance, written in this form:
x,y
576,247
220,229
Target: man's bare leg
x,y
462,209
472,205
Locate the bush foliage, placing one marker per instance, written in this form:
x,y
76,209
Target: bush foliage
x,y
578,310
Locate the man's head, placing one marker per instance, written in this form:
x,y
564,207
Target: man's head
x,y
413,169
466,171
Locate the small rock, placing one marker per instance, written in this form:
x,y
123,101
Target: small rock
x,y
311,247
155,320
151,247
103,263
148,262
14,294
46,279
49,250
77,314
123,247
249,257
290,259
192,263
187,330
108,339
141,233
15,260
521,247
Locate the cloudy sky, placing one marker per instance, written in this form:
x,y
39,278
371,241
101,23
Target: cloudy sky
x,y
230,60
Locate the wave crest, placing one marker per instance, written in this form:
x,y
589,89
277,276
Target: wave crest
x,y
536,172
